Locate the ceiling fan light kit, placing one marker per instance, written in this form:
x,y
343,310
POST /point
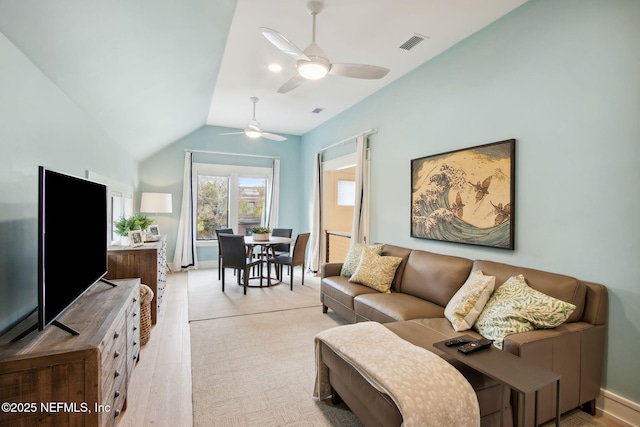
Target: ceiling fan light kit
x,y
254,130
312,63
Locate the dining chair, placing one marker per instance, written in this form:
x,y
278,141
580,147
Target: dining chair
x,y
220,231
282,248
297,258
235,256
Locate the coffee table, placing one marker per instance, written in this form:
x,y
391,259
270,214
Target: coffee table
x,y
521,375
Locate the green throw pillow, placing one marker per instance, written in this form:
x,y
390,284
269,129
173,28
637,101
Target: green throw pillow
x,y
515,307
376,271
353,258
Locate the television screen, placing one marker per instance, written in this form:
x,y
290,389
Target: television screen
x,y
72,241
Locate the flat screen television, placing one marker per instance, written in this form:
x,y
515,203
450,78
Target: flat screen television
x,y
72,241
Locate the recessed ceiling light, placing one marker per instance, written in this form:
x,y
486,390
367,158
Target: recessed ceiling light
x,y
275,68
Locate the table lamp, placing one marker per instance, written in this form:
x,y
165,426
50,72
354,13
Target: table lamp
x,y
156,203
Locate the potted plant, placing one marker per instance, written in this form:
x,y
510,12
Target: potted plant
x,y
136,221
260,233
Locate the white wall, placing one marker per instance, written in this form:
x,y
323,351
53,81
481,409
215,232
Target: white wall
x,y
561,77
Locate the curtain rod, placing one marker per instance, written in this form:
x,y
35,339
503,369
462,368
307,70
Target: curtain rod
x,y
366,132
231,154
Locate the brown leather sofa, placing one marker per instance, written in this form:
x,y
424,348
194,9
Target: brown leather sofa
x,y
414,310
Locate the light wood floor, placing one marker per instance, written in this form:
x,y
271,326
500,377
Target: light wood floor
x,y
160,388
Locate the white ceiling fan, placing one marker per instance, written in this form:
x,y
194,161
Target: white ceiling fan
x,y
312,63
254,130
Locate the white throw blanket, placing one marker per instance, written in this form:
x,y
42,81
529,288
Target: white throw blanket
x,y
427,390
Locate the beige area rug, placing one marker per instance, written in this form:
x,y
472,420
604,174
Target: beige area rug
x,y
207,301
253,361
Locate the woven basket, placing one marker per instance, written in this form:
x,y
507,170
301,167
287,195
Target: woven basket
x,y
146,296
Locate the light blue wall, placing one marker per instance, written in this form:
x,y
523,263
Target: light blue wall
x,y
163,173
40,125
563,78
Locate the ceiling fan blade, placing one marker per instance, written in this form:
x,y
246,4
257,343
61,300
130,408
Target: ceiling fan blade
x,y
291,84
283,43
273,136
231,133
358,71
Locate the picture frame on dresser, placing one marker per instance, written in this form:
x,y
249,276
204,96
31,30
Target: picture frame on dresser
x,y
153,233
466,196
135,238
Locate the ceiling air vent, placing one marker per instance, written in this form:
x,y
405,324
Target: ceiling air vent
x,y
318,110
412,42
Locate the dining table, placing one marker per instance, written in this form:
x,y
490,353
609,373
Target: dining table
x,y
269,251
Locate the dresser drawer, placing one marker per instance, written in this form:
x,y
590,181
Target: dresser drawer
x,y
115,341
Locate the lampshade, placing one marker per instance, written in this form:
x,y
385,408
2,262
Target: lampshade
x,y
156,203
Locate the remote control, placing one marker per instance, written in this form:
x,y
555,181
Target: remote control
x,y
474,346
456,341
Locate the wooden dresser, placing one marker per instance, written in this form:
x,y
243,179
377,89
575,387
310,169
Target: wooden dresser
x,y
147,262
52,378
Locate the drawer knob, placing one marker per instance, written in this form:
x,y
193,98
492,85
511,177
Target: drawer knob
x,y
116,374
117,393
135,343
135,314
135,328
116,335
116,413
116,354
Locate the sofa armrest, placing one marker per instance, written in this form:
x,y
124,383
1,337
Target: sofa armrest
x,y
330,269
573,350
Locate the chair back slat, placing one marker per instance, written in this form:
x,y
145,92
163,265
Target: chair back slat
x,y
233,248
282,232
220,231
300,247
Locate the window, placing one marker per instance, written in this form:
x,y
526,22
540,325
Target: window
x,y
120,202
229,197
346,193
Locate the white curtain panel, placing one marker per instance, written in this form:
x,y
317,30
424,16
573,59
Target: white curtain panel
x,y
185,254
358,231
313,260
274,196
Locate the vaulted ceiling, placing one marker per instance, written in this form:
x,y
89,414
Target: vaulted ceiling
x,y
149,72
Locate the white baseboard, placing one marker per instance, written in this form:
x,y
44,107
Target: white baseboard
x,y
617,408
201,264
208,264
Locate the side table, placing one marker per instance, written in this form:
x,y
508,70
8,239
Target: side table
x,y
521,375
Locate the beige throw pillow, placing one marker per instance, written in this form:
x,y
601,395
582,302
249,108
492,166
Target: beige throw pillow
x,y
376,271
353,258
467,304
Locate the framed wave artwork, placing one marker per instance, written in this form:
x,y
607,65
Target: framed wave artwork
x,y
466,196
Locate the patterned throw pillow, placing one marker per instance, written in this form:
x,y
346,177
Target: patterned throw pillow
x,y
466,305
515,307
353,258
376,271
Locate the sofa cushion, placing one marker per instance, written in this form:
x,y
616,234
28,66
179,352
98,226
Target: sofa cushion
x,y
393,307
434,277
340,289
392,250
515,307
354,255
465,306
559,286
376,271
